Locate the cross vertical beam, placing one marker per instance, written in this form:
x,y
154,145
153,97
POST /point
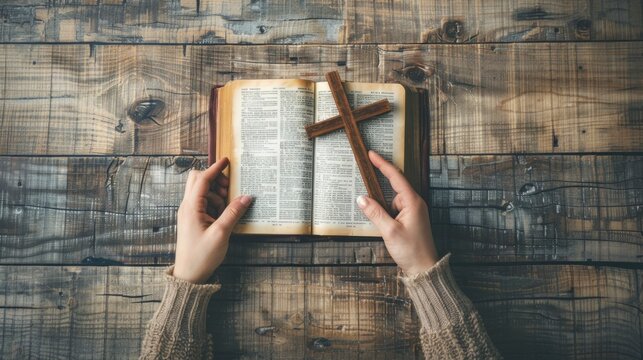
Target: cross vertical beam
x,y
355,139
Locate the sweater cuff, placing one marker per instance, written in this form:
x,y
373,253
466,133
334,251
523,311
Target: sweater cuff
x,y
438,300
184,306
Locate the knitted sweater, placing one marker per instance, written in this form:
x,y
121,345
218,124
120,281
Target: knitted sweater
x,y
451,327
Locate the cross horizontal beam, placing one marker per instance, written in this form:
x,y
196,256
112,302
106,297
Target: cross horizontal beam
x,y
360,114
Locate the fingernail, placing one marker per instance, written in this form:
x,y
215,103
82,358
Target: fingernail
x,y
245,200
361,201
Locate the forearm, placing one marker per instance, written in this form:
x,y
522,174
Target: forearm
x,y
451,327
177,329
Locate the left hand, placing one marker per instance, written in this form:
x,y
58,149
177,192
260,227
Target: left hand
x,y
204,223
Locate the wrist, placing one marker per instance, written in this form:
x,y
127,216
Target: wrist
x,y
181,274
419,267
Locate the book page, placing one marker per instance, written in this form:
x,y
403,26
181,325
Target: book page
x,y
337,180
271,157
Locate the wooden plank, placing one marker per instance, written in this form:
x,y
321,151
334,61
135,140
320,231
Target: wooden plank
x,y
320,21
498,98
102,210
87,99
524,98
547,208
545,311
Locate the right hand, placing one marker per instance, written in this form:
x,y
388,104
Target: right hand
x,y
408,236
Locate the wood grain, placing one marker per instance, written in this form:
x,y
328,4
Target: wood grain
x,y
526,79
552,312
320,21
485,99
92,99
524,98
531,312
335,123
544,208
102,210
366,168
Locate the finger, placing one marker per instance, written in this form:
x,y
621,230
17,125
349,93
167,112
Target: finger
x,y
397,204
223,180
222,191
189,183
213,211
211,173
392,173
233,212
216,201
203,179
376,214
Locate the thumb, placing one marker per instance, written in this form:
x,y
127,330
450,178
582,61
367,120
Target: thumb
x,y
376,214
233,212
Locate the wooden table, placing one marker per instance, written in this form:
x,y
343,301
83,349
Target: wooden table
x,y
536,172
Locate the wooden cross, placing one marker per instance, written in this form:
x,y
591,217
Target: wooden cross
x,y
347,119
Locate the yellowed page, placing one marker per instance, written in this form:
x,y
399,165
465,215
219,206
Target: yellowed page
x,y
270,155
337,180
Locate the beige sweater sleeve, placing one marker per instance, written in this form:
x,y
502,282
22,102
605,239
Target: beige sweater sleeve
x,y
177,329
451,327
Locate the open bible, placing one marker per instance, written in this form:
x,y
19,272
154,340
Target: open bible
x,y
304,186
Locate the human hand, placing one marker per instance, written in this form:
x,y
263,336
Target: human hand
x,y
408,236
204,223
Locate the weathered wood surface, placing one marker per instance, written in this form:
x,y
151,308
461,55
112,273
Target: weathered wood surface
x,y
538,207
531,312
484,209
500,98
321,21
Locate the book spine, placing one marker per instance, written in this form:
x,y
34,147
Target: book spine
x,y
212,124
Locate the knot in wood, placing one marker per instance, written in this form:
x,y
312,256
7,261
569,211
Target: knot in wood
x,y
265,330
184,162
320,343
527,189
415,74
583,25
507,207
583,28
144,111
451,30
